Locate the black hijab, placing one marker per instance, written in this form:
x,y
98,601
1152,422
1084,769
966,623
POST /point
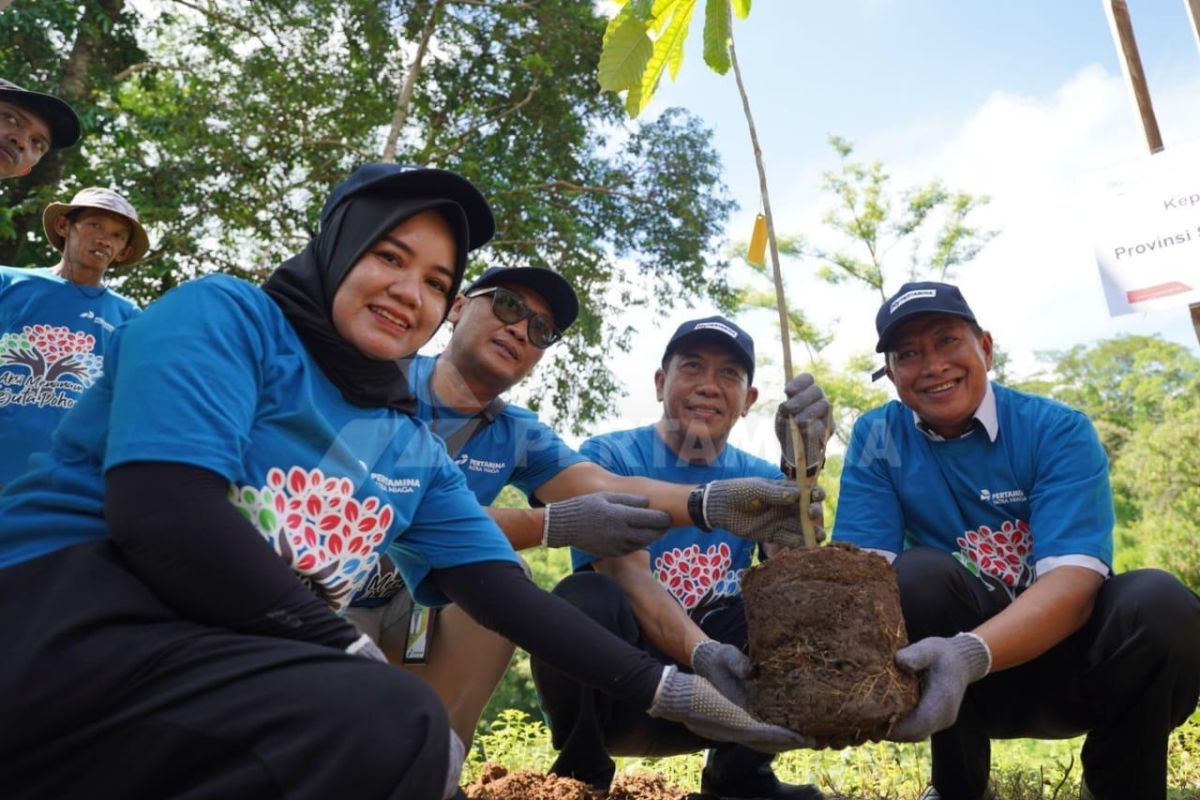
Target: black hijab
x,y
304,287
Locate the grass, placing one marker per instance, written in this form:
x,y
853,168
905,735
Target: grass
x,y
1021,769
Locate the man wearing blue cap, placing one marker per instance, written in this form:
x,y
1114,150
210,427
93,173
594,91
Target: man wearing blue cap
x,y
995,510
504,323
678,599
31,125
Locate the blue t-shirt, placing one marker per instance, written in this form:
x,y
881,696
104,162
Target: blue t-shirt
x,y
1039,490
697,568
213,375
53,338
516,447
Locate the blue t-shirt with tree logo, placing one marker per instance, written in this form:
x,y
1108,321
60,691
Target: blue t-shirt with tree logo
x,y
1039,490
697,568
213,375
53,338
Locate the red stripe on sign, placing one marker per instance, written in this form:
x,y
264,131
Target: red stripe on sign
x,y
1162,290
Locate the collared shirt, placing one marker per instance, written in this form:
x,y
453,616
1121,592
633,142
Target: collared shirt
x,y
1034,491
985,415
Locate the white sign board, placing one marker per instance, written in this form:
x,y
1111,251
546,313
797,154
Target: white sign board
x,y
1145,223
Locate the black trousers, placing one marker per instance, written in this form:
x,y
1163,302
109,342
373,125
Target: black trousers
x,y
106,693
587,726
1127,678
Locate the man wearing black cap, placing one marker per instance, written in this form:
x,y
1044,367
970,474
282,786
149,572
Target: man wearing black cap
x,y
31,125
995,509
503,324
679,598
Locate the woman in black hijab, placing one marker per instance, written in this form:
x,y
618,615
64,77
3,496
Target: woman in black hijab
x,y
173,572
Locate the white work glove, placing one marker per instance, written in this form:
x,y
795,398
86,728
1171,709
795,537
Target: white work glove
x,y
724,666
760,509
807,405
946,667
364,647
604,524
458,755
694,702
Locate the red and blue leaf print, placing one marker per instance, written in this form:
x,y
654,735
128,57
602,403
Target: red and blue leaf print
x,y
316,526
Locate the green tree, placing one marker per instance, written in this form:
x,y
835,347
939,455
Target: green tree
x,y
226,123
929,221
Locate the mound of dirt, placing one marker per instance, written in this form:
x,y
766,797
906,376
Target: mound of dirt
x,y
824,625
497,783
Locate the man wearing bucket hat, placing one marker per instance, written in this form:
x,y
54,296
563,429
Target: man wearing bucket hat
x,y
504,323
679,598
31,125
56,323
995,510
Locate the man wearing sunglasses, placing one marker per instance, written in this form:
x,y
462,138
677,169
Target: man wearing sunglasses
x,y
503,323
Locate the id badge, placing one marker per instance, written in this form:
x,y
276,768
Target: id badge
x,y
420,634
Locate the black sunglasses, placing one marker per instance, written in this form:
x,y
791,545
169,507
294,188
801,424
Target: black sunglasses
x,y
510,308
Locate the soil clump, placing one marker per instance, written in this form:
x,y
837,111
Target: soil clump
x,y
497,783
824,625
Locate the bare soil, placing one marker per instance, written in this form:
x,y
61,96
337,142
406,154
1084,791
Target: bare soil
x,y
497,783
824,626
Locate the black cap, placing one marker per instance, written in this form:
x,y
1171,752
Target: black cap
x,y
419,183
59,117
554,289
921,297
719,331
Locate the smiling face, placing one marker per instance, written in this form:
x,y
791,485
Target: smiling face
x,y
92,241
704,390
394,297
939,365
488,349
24,139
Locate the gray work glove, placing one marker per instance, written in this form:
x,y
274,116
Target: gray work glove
x,y
364,647
724,666
760,509
806,403
947,667
694,702
604,524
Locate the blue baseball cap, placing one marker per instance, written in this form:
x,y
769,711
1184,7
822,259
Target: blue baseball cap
x,y
560,297
433,186
719,331
920,297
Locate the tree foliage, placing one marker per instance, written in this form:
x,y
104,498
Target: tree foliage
x,y
1143,394
226,123
930,221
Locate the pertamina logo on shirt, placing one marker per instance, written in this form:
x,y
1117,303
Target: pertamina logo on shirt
x,y
396,485
1002,498
465,462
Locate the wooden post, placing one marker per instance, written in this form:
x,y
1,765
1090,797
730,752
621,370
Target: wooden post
x,y
1193,9
1131,66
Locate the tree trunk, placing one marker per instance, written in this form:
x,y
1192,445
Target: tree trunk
x,y
73,87
410,82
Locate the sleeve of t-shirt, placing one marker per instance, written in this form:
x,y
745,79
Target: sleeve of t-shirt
x,y
188,378
1071,505
607,452
869,513
449,529
543,455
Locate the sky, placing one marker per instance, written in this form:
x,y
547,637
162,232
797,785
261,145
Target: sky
x,y
1009,99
